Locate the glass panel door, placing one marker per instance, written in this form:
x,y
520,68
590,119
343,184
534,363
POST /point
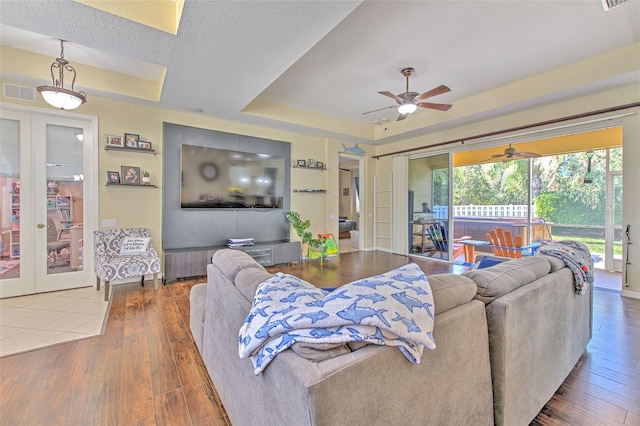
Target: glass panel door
x,y
614,232
15,184
46,210
10,203
59,190
429,220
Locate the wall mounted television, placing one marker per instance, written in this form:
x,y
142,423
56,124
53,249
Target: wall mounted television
x,y
214,178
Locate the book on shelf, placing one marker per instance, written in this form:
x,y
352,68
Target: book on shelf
x,y
240,242
64,214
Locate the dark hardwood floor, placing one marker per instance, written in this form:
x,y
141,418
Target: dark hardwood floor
x,y
146,369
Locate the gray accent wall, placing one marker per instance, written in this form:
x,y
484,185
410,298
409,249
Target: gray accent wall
x,y
190,228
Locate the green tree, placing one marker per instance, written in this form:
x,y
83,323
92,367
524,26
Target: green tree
x,y
557,184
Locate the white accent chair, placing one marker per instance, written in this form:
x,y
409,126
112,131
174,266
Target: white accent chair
x,y
111,265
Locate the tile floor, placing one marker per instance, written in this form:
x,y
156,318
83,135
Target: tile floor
x,y
35,321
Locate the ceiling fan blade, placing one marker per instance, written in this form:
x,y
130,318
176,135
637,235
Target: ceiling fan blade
x,y
498,155
527,154
433,92
380,109
391,95
440,107
402,116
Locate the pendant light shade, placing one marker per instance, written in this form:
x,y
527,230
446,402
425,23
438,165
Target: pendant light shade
x,y
56,95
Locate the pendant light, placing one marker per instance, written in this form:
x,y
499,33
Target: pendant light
x,y
57,95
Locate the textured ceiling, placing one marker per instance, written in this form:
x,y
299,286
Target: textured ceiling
x,y
314,66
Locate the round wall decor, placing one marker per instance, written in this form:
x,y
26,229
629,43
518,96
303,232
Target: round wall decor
x,y
208,171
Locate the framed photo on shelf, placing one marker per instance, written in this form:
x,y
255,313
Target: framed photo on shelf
x,y
311,163
131,140
114,141
319,165
113,177
301,163
144,145
130,175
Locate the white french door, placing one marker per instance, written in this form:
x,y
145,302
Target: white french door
x,y
49,203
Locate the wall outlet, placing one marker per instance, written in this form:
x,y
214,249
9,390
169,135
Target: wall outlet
x,y
108,223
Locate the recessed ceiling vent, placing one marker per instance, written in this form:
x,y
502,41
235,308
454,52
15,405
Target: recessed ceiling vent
x,y
610,4
20,93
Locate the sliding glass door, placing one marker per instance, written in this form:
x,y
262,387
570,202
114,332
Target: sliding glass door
x,y
429,214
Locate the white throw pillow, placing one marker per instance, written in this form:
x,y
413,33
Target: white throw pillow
x,y
134,245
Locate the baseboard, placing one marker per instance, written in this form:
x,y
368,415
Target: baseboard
x,y
630,294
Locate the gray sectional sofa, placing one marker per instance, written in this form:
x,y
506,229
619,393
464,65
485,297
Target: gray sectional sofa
x,y
503,346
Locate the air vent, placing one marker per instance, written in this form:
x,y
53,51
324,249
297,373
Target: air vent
x,y
610,4
21,93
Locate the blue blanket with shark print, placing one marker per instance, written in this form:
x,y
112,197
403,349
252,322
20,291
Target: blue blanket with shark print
x,y
393,309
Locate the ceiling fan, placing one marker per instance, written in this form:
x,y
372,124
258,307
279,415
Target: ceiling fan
x,y
513,154
408,101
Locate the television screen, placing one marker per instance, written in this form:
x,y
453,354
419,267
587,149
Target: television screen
x,y
214,178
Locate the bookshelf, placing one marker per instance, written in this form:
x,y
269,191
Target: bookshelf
x,y
64,207
14,233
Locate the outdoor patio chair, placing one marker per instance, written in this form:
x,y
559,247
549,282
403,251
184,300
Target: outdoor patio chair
x,y
438,236
504,244
124,253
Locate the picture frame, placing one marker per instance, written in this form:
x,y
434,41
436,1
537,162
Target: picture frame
x,y
144,145
131,140
345,192
113,141
319,165
130,175
301,163
311,163
113,177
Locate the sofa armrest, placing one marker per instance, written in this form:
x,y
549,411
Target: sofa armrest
x,y
536,334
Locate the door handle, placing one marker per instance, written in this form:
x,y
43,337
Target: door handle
x,y
41,225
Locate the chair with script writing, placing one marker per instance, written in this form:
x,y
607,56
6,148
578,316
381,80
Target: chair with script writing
x,y
124,253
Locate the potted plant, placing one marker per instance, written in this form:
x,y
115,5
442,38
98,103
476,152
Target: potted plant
x,y
301,226
146,179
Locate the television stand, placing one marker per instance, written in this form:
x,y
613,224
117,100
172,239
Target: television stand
x,y
193,261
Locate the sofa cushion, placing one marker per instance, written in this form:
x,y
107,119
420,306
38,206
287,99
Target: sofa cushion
x,y
504,278
230,262
556,263
320,351
248,279
450,290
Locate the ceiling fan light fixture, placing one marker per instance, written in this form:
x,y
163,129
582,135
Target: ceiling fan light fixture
x,y
610,4
56,95
588,177
407,107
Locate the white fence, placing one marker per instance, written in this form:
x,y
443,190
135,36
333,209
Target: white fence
x,y
507,210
